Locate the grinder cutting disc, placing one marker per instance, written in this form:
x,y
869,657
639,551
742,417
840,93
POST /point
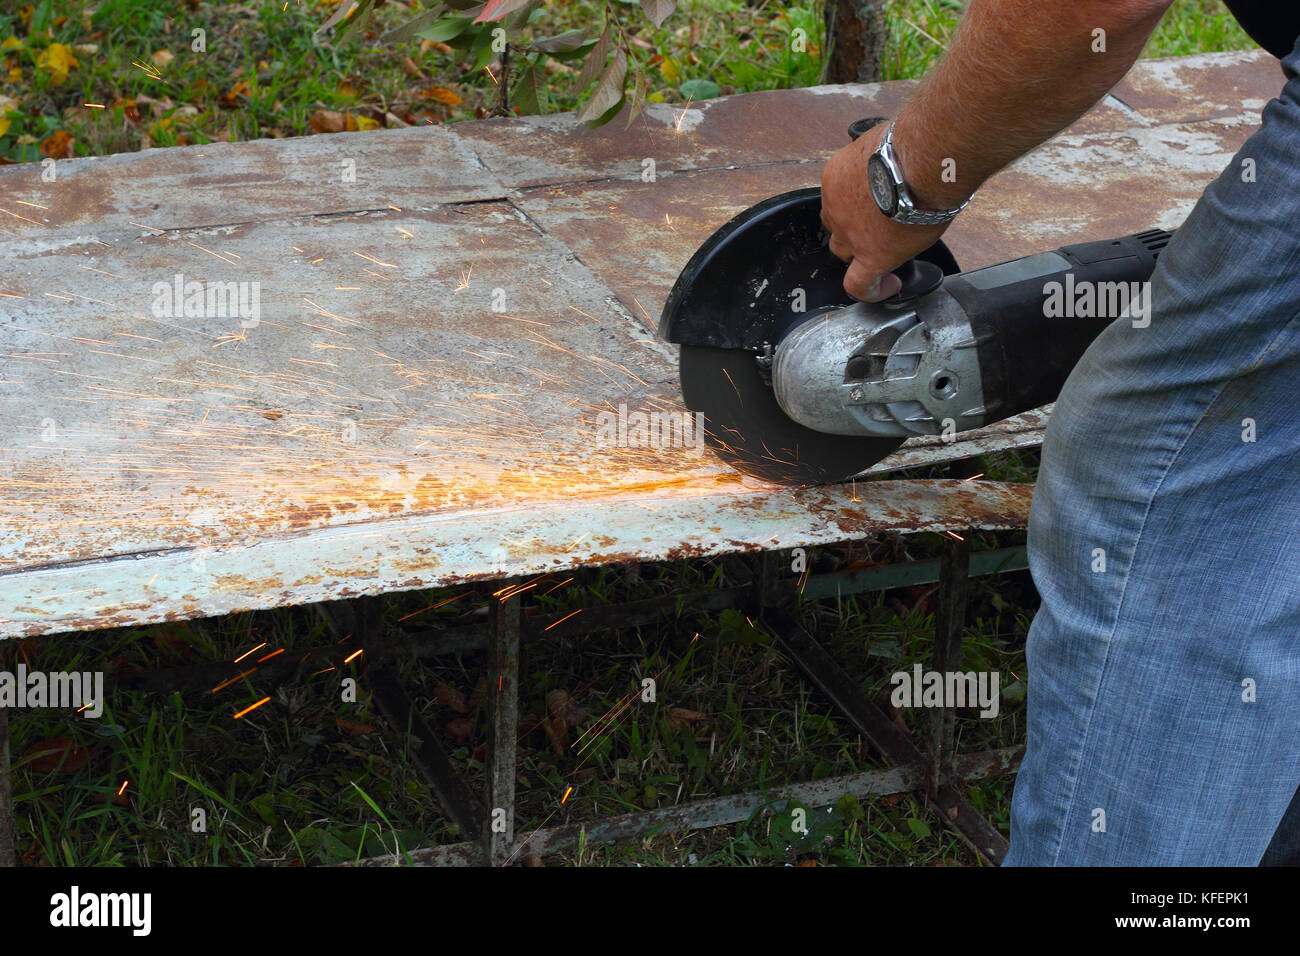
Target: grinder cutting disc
x,y
747,428
764,272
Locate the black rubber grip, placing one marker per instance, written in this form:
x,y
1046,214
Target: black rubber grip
x,y
1026,354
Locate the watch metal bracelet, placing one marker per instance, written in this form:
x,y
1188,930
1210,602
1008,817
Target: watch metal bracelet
x,y
907,212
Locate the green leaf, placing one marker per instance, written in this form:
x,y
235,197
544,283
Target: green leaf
x,y
658,10
920,829
699,89
447,29
411,28
566,42
42,17
530,92
639,87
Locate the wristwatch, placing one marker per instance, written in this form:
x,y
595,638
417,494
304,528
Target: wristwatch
x,y
890,191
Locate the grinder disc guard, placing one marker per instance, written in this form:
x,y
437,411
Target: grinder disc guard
x,y
732,304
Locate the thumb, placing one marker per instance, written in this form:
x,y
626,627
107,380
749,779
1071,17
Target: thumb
x,y
866,284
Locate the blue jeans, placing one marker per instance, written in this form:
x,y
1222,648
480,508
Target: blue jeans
x,y
1164,538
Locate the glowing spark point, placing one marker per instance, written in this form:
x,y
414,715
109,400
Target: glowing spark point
x,y
125,784
354,655
246,653
566,794
973,477
98,106
953,534
231,681
253,707
386,265
269,656
683,115
563,619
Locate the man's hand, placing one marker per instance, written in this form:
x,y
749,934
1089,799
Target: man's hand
x,y
863,236
1015,74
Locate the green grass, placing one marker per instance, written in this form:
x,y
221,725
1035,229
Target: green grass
x,y
307,779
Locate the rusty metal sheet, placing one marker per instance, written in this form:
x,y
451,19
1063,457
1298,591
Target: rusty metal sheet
x,y
225,183
424,551
378,379
1184,89
417,401
1081,187
746,130
636,236
752,129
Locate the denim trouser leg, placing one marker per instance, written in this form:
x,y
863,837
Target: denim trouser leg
x,y
1164,690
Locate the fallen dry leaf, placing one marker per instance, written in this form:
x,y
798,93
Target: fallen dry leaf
x,y
58,59
449,696
562,705
458,730
677,716
409,67
328,121
160,58
130,112
59,146
441,94
427,45
352,728
56,754
230,100
557,731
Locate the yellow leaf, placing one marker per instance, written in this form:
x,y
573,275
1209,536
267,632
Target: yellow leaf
x,y
365,122
4,125
669,70
12,43
655,97
15,75
58,59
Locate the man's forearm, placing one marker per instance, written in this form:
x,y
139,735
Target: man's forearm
x,y
1017,72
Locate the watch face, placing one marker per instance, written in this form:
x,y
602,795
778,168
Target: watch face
x,y
882,186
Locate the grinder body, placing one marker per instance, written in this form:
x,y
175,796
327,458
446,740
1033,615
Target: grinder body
x,y
980,347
